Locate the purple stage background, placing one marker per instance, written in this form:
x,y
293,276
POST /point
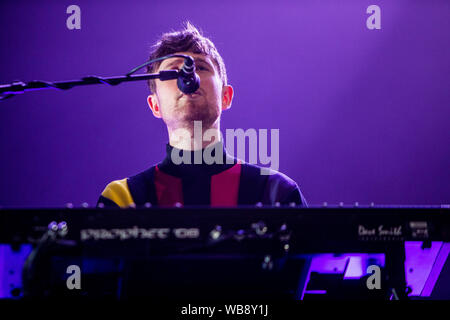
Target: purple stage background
x,y
363,114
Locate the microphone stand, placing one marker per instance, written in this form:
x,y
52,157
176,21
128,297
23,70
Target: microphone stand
x,y
18,87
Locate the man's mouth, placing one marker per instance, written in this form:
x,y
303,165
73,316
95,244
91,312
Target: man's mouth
x,y
191,95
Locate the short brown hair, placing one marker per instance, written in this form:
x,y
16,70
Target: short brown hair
x,y
188,40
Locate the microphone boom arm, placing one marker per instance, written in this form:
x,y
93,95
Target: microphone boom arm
x,y
18,87
10,90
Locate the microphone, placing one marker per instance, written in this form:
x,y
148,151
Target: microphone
x,y
188,81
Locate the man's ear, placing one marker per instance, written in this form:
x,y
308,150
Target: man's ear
x,y
153,103
227,97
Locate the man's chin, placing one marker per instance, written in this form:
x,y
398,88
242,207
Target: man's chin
x,y
205,118
191,111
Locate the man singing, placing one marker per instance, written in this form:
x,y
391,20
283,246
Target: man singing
x,y
227,182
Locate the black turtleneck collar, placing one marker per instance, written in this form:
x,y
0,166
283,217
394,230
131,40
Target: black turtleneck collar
x,y
192,168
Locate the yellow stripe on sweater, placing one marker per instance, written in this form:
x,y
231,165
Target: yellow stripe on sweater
x,y
118,192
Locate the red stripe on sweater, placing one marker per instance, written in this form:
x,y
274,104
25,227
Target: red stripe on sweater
x,y
225,186
169,189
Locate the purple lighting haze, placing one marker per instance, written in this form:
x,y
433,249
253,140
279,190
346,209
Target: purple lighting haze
x,y
363,114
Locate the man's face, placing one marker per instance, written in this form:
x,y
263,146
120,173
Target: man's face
x,y
179,110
